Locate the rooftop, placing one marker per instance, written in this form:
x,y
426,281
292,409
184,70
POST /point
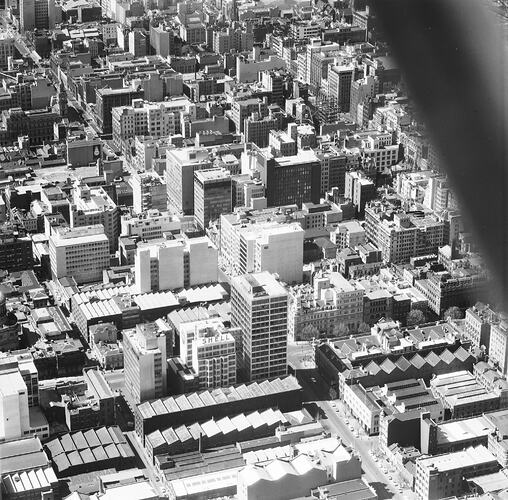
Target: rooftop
x,y
470,457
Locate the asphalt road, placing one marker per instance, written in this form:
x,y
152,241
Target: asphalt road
x,y
318,391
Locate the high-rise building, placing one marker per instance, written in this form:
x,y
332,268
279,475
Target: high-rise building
x,y
292,179
137,43
19,392
257,128
145,363
149,192
242,109
498,345
212,195
161,40
92,206
181,164
107,99
248,245
15,250
6,49
81,252
273,81
259,306
340,79
359,189
209,348
214,360
9,328
27,15
174,264
14,414
401,235
159,266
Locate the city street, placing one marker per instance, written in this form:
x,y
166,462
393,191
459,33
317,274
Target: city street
x,y
383,484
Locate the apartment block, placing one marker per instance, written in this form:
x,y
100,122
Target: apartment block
x,y
259,306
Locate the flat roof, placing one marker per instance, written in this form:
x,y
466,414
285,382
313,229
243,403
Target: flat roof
x,y
460,459
456,431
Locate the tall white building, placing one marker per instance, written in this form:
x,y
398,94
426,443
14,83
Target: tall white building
x,y
172,264
19,414
14,413
91,206
280,250
159,266
145,364
259,306
263,246
209,349
181,164
498,345
81,252
148,192
214,360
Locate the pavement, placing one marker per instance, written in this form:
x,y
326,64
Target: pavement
x,y
148,469
316,390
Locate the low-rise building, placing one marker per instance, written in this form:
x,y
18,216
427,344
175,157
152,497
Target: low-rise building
x,y
443,476
462,395
331,300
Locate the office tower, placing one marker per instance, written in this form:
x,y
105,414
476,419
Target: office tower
x,y
149,192
144,363
257,128
361,90
107,99
81,252
248,245
242,109
360,190
340,79
214,359
181,164
273,82
259,306
159,266
173,264
6,49
161,40
14,413
91,206
15,250
212,195
137,43
27,15
24,362
292,179
208,347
